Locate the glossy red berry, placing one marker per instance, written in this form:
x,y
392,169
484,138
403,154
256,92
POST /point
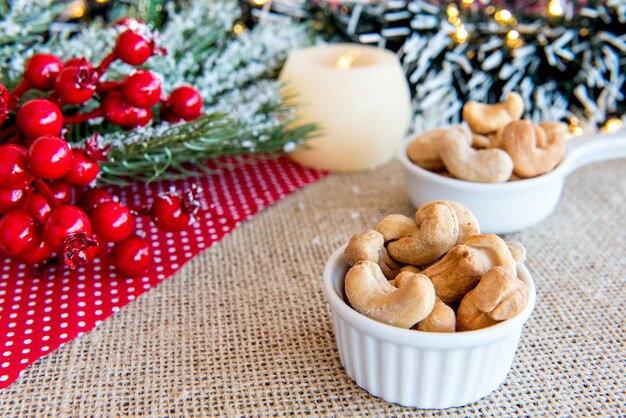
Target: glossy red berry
x,y
38,206
142,89
39,117
92,198
77,61
112,221
50,157
62,192
11,199
63,222
84,170
117,111
132,48
41,71
42,253
20,232
166,114
168,213
75,84
185,102
7,104
14,171
131,256
142,117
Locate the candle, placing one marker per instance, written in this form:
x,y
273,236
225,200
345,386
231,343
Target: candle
x,y
360,98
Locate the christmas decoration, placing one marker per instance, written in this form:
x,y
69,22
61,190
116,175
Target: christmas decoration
x,y
566,58
232,68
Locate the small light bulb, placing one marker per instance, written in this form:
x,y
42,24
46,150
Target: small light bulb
x,y
612,125
467,3
77,9
461,34
239,28
452,10
555,8
259,2
513,35
503,16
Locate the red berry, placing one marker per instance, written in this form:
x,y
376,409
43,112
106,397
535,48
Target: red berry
x,y
50,157
131,256
41,71
75,84
11,199
77,61
39,117
20,232
117,111
63,222
168,213
185,102
84,170
132,48
6,103
166,114
38,255
142,117
142,89
112,221
38,206
62,192
14,171
92,198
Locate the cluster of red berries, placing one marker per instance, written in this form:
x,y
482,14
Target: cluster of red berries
x,y
45,210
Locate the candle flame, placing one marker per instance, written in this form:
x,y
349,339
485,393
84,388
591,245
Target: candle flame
x,y
345,60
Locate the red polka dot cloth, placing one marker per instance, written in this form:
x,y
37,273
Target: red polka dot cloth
x,y
41,310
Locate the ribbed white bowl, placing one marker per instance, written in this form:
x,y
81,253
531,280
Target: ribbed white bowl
x,y
421,369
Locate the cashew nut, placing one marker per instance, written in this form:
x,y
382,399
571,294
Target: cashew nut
x,y
463,266
468,224
370,245
519,140
438,229
393,227
441,319
424,149
493,251
456,273
484,119
518,251
499,295
466,163
371,294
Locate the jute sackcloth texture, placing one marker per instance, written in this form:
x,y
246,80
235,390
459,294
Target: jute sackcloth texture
x,y
244,329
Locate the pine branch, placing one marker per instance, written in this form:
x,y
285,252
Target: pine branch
x,y
188,149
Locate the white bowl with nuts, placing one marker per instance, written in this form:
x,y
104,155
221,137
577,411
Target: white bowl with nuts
x,y
509,172
428,313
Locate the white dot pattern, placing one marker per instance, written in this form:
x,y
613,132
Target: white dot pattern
x,y
39,311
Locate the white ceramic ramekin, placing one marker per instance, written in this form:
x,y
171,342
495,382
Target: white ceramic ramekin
x,y
421,369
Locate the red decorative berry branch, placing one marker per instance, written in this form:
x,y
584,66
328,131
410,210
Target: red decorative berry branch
x,y
45,210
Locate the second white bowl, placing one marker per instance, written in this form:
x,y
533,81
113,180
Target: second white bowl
x,y
421,369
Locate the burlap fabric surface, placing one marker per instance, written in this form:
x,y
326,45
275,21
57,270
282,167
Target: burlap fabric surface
x,y
244,330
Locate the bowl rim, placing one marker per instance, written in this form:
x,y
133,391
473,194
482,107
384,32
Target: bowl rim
x,y
496,188
422,338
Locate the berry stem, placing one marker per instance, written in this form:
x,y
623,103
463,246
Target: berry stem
x,y
104,65
54,98
47,194
7,134
14,139
21,88
105,86
82,117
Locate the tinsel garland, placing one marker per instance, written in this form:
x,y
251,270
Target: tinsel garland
x,y
566,59
233,68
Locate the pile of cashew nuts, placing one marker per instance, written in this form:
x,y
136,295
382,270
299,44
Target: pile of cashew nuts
x,y
436,273
493,146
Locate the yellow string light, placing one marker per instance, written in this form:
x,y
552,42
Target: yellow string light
x,y
239,28
574,128
77,9
490,10
259,2
461,34
467,3
452,10
612,125
503,16
555,8
513,39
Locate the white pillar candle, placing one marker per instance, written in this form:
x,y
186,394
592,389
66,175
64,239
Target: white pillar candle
x,y
359,97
